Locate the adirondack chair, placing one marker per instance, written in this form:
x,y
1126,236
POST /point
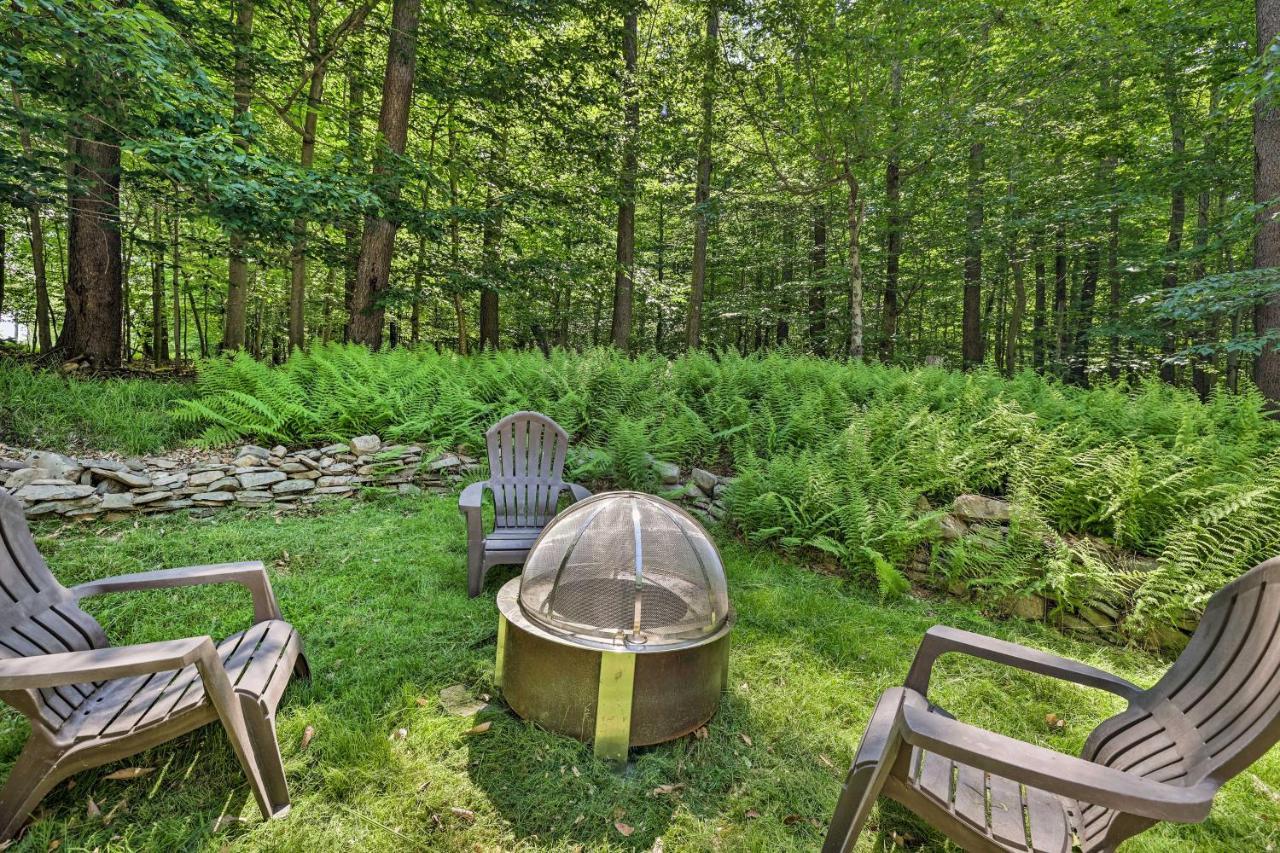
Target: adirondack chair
x,y
526,462
1215,712
90,703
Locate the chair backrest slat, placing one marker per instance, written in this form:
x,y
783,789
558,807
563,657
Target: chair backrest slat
x,y
38,615
526,465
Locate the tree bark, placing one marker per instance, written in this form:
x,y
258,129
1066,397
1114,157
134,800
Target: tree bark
x,y
1038,342
298,253
854,211
817,270
91,327
1266,189
1060,302
179,343
35,235
1016,262
237,265
159,326
971,324
355,157
702,192
491,248
367,311
1084,321
1177,221
455,235
624,270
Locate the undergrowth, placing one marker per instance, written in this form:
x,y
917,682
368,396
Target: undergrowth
x,y
1140,498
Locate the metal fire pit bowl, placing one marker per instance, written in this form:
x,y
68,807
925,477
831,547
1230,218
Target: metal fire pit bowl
x,y
617,630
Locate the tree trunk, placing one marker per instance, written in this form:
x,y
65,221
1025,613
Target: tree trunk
x,y
971,325
491,249
3,240
376,245
1016,262
419,270
702,192
1113,285
298,254
355,157
1062,348
35,235
854,211
1177,220
91,327
1038,342
1088,293
455,235
624,270
817,270
787,275
179,344
237,266
1266,189
159,326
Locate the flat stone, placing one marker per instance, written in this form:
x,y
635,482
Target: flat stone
x,y
226,484
204,478
133,463
105,464
22,477
177,478
293,467
334,490
213,497
247,461
36,492
705,480
54,464
305,475
253,497
334,449
340,468
254,450
365,444
36,510
981,508
410,489
150,497
180,503
1096,617
692,492
279,450
720,489
311,462
119,501
85,512
459,702
162,463
110,487
291,487
132,479
263,478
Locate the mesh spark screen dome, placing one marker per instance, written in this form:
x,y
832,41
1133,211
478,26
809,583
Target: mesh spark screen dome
x,y
625,567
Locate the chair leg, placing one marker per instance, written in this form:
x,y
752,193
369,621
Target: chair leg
x,y
261,726
301,668
34,774
867,775
475,568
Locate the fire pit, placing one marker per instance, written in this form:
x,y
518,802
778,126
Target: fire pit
x,y
617,630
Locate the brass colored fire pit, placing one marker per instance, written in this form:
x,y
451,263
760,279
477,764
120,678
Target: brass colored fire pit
x,y
617,630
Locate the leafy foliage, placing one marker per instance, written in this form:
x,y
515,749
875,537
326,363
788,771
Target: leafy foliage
x,y
842,459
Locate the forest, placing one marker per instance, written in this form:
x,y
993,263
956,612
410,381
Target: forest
x,y
1075,187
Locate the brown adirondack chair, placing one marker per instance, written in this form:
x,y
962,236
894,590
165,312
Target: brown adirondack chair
x,y
1215,712
89,703
526,462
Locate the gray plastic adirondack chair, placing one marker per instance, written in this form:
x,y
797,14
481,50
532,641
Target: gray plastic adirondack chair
x,y
526,463
89,703
1215,712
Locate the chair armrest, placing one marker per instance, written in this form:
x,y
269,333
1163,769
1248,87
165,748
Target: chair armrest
x,y
1051,771
472,497
942,639
53,670
579,493
252,576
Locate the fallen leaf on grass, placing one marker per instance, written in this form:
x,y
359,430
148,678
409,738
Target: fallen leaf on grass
x,y
752,814
92,809
792,819
307,734
577,774
130,773
1053,721
822,756
398,734
746,738
480,729
54,844
623,828
117,808
463,814
422,701
701,733
666,789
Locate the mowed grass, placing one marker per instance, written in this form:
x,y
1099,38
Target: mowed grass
x,y
377,589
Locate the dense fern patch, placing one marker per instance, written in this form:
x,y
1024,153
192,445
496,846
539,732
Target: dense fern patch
x,y
843,459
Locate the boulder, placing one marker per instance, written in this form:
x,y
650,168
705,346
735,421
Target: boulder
x,y
668,472
363,445
54,466
981,508
952,528
254,480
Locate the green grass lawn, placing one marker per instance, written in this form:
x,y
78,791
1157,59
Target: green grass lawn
x,y
377,589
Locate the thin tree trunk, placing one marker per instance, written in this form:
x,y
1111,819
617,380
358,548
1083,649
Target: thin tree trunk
x,y
971,325
455,235
91,327
1177,220
35,235
367,311
1038,321
854,211
624,270
355,157
702,192
1266,189
298,254
1016,263
179,345
491,248
787,275
237,265
159,326
1113,283
1088,293
1060,298
419,271
817,295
